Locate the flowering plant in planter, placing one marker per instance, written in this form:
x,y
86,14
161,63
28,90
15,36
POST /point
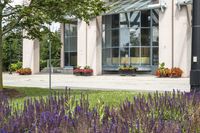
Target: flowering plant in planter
x,y
86,71
127,70
77,70
176,72
24,71
162,71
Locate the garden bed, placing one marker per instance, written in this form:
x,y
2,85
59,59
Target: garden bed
x,y
152,113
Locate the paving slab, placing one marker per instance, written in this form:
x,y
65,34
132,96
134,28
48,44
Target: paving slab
x,y
103,82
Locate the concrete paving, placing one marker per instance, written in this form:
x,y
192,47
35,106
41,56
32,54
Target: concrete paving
x,y
103,82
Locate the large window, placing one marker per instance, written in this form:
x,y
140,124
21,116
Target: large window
x,y
70,44
131,38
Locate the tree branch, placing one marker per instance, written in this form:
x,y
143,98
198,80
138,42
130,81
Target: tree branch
x,y
12,26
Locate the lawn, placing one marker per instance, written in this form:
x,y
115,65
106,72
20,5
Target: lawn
x,y
111,98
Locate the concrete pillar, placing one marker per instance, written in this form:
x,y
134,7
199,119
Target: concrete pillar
x,y
183,38
81,43
165,35
94,45
62,46
31,55
90,45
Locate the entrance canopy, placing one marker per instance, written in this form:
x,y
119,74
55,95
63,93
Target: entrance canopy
x,y
121,6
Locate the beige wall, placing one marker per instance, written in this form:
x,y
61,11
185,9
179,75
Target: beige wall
x,y
31,55
175,25
165,35
183,39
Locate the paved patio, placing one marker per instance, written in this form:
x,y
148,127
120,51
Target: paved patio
x,y
104,82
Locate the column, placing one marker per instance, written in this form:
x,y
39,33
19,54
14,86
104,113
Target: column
x,y
31,55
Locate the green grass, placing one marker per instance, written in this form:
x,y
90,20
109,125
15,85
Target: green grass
x,y
112,98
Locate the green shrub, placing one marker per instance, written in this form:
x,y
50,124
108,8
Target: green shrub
x,y
16,66
43,64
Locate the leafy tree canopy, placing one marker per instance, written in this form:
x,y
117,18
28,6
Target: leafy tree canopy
x,y
33,16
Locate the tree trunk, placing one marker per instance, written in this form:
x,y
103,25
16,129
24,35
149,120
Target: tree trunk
x,y
1,54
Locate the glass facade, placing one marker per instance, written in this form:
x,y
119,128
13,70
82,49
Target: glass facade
x,y
70,44
131,38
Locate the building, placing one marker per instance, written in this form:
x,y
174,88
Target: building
x,y
141,33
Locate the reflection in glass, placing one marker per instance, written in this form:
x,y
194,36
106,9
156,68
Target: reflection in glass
x,y
135,56
115,21
145,56
155,36
66,44
108,21
73,44
107,57
135,37
66,29
66,61
73,58
124,20
127,38
135,19
145,37
70,44
115,56
124,37
155,59
73,30
124,54
108,37
145,18
115,37
155,17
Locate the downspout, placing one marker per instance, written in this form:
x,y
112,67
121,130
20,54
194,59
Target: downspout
x,y
195,63
172,33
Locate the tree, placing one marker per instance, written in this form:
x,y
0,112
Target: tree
x,y
44,50
12,48
33,17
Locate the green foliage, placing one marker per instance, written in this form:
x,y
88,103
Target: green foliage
x,y
162,65
16,66
34,16
127,67
55,50
12,49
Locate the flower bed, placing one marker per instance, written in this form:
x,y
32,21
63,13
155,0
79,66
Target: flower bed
x,y
127,70
162,71
24,71
86,71
152,113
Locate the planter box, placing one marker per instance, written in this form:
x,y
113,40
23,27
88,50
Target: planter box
x,y
82,74
87,74
127,72
77,73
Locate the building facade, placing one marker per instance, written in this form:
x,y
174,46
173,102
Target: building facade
x,y
140,33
